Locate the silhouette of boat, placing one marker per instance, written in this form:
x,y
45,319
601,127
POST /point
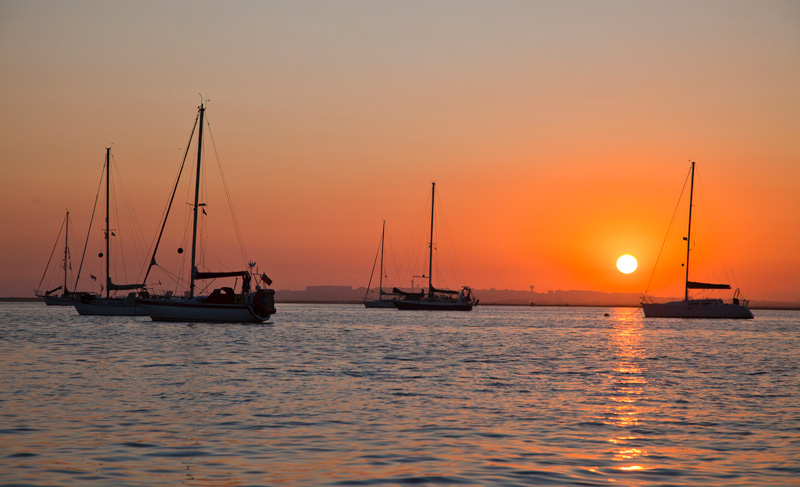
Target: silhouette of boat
x,y
381,302
435,299
223,305
94,304
698,308
66,298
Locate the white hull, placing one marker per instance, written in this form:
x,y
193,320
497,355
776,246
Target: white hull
x,y
697,308
110,307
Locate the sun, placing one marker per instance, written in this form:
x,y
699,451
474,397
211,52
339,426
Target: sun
x,y
627,263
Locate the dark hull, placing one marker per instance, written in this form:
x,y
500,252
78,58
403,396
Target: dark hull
x,y
708,308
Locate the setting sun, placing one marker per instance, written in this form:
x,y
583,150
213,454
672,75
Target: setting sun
x,y
627,264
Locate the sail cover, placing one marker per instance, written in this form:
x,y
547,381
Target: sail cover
x,y
705,285
122,287
443,291
215,275
400,292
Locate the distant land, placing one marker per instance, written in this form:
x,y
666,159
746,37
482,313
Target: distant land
x,y
501,297
489,297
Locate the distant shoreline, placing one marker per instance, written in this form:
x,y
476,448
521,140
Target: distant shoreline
x,y
786,307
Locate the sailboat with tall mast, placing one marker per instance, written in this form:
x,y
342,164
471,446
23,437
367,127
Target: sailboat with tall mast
x,y
222,305
381,302
66,298
108,305
435,299
698,308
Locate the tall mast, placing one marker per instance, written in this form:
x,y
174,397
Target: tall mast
x,y
66,253
108,225
430,249
196,201
380,279
689,237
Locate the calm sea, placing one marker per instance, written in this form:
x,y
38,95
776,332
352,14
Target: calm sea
x,y
338,395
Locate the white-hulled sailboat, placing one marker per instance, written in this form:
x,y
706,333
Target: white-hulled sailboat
x,y
223,305
66,298
697,308
108,305
435,299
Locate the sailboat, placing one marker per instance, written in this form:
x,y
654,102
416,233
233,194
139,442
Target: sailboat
x,y
66,298
381,302
435,299
698,308
93,304
222,305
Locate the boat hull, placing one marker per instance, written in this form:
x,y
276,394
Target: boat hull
x,y
59,300
255,308
703,308
380,303
109,307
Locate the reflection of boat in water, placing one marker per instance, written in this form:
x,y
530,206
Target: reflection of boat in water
x,y
698,308
66,298
435,299
381,302
108,305
223,305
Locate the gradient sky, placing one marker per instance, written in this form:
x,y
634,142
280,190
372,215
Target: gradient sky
x,y
559,132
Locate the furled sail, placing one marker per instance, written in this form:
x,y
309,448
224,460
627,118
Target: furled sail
x,y
215,275
122,287
443,291
705,285
400,292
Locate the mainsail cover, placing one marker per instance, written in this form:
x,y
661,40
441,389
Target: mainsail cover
x,y
706,285
215,275
122,287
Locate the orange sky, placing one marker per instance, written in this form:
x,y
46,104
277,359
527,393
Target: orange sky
x,y
559,133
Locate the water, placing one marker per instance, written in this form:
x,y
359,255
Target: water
x,y
337,395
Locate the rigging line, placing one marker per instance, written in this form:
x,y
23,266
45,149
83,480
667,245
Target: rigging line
x,y
124,200
52,252
169,204
227,193
456,269
718,242
669,229
89,231
371,274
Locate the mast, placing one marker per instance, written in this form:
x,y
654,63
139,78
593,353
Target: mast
x,y
66,254
430,249
380,279
689,238
196,202
108,229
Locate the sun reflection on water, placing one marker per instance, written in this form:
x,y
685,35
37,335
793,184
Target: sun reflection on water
x,y
627,395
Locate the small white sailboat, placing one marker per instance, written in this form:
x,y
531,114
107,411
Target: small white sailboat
x,y
66,298
108,305
435,299
222,305
385,299
697,308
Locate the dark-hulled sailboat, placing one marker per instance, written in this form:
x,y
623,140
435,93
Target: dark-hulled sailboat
x,y
435,299
698,308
